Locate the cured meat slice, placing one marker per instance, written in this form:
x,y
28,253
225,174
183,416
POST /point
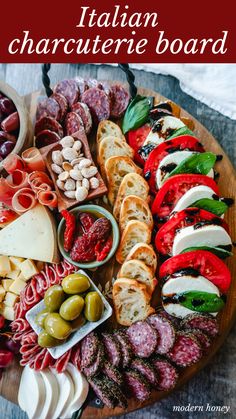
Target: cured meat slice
x,y
100,389
13,162
73,123
61,363
48,198
29,296
202,338
186,350
112,349
39,181
23,200
33,160
174,320
47,122
166,333
143,339
97,365
137,386
82,85
126,349
116,391
46,137
204,322
98,103
119,100
89,349
69,89
62,102
167,374
83,111
48,107
20,325
76,356
113,373
146,369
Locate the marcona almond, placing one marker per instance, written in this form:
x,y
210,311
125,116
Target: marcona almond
x,y
75,161
70,185
70,194
57,157
56,169
60,184
89,172
66,166
76,174
69,154
67,141
77,145
94,183
81,193
64,176
85,163
85,183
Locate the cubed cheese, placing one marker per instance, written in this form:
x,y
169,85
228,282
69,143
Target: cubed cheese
x,y
10,299
2,293
28,269
8,313
15,262
6,283
17,286
5,266
13,274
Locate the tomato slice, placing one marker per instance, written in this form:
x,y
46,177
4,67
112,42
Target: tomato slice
x,y
136,139
206,263
165,236
184,142
172,190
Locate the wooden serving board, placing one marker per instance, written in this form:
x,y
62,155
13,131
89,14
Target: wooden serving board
x,y
227,184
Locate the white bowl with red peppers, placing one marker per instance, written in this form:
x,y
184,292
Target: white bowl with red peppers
x,y
88,236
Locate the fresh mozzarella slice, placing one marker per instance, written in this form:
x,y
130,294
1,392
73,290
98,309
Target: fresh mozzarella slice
x,y
66,394
184,283
193,195
207,235
52,395
81,389
170,162
32,393
167,124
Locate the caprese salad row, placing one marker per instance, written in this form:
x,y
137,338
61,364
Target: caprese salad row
x,y
188,212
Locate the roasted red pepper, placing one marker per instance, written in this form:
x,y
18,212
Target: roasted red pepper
x,y
102,249
69,230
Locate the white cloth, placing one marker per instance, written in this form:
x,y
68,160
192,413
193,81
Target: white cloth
x,y
212,84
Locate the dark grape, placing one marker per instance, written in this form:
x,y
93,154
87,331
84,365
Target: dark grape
x,y
12,346
7,106
2,322
6,358
5,136
6,148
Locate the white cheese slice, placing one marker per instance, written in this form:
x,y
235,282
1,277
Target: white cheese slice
x,y
52,395
31,236
175,158
207,235
66,394
193,195
81,388
184,283
32,393
167,123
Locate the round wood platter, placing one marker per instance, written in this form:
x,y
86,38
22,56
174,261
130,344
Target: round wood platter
x,y
227,184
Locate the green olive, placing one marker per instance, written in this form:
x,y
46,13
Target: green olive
x,y
78,323
47,341
57,327
54,297
75,284
39,319
93,306
72,307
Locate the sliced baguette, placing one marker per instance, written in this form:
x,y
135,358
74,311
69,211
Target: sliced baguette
x,y
135,232
106,128
116,168
135,269
112,146
131,301
145,253
135,208
132,184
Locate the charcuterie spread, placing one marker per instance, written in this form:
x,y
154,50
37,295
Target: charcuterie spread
x,y
141,198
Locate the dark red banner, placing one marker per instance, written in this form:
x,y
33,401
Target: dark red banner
x,y
124,31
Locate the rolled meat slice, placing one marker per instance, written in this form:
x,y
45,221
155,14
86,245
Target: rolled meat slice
x,y
33,159
9,186
23,200
13,162
39,180
48,198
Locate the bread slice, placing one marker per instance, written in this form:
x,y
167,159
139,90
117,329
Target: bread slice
x,y
131,184
145,253
131,301
116,168
112,146
135,232
135,269
135,208
106,128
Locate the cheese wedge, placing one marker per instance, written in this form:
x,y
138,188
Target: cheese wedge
x,y
31,236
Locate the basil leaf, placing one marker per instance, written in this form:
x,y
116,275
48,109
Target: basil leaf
x,y
203,302
211,205
180,131
200,163
137,113
218,251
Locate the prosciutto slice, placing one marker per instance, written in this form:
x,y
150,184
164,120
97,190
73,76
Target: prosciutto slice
x,y
13,162
23,200
48,198
39,180
33,160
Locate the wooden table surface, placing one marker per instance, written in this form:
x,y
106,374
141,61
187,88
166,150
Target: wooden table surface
x,y
214,387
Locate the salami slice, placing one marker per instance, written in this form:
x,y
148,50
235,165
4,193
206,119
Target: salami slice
x,y
143,339
112,349
76,356
46,137
202,338
100,389
174,320
83,111
69,89
167,374
98,103
97,365
89,349
204,322
82,85
137,386
48,107
112,387
62,102
186,350
113,373
146,369
166,333
119,100
47,122
73,123
61,363
126,349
